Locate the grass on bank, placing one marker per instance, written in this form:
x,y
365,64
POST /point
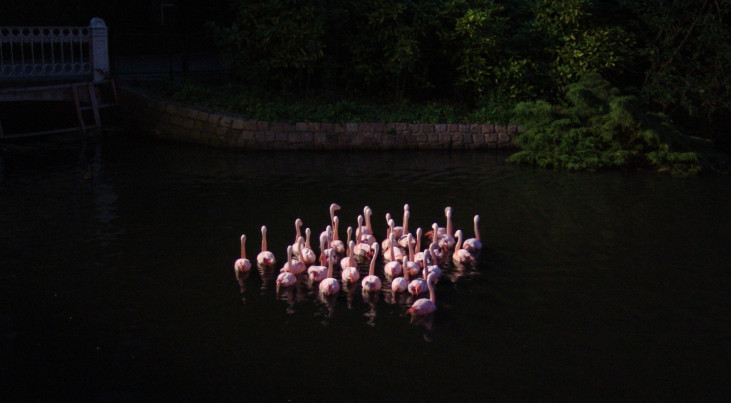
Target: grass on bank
x,y
325,108
593,126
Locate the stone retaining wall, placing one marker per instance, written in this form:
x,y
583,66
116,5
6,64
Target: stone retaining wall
x,y
150,116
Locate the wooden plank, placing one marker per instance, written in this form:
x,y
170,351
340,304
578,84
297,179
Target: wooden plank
x,y
77,104
94,105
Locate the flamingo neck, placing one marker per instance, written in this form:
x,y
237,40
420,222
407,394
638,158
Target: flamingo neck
x,y
477,230
432,294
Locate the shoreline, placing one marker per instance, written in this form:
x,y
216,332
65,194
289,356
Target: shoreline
x,y
169,120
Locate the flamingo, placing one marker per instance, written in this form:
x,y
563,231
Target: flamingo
x,y
437,255
461,257
447,241
349,272
293,266
333,208
265,259
405,231
336,244
418,284
434,250
409,264
393,267
286,279
329,252
242,265
371,282
362,251
418,254
367,213
390,224
474,245
349,259
362,232
329,286
318,272
298,234
400,284
398,253
425,306
306,255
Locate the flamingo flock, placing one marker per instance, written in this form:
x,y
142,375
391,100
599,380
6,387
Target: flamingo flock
x,y
407,270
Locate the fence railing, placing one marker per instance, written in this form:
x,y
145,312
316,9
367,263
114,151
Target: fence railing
x,y
54,53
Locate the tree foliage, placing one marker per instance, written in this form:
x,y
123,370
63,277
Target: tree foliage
x,y
597,126
672,55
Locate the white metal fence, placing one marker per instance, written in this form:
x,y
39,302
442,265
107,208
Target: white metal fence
x,y
54,53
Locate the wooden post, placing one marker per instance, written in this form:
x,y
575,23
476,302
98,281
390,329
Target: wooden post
x,y
77,104
94,106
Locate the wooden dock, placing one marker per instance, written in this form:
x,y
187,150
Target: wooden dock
x,y
69,64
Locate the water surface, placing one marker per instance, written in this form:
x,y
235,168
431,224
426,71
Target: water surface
x,y
117,278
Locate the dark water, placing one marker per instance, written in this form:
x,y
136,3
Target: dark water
x,y
117,283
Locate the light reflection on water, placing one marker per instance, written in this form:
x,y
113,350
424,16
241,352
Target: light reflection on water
x,y
117,268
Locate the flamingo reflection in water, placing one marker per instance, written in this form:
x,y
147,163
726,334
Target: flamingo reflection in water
x,y
329,289
242,268
286,280
371,285
265,262
422,311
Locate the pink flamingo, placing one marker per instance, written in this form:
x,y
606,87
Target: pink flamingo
x,y
418,254
349,273
425,306
409,264
393,267
306,255
362,251
436,254
391,244
434,250
333,208
363,232
447,241
367,213
293,266
418,284
286,279
400,284
474,245
298,234
349,259
405,232
242,265
265,259
461,257
371,282
329,286
390,224
318,272
337,244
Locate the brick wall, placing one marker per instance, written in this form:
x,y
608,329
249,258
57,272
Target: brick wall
x,y
150,116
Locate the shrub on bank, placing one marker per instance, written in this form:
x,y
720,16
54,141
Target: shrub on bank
x,y
596,126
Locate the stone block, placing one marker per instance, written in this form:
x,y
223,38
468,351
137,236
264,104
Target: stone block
x,y
250,125
225,121
486,129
